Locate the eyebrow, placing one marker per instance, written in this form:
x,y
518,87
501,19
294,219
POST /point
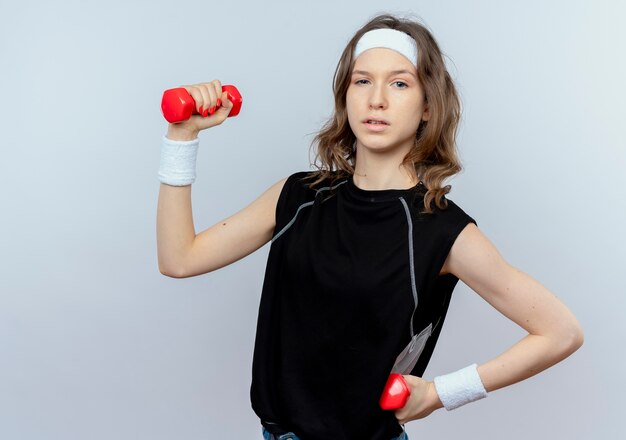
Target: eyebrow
x,y
393,72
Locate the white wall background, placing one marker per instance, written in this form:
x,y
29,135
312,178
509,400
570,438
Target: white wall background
x,y
96,344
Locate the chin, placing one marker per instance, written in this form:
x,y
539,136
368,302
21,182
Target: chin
x,y
378,146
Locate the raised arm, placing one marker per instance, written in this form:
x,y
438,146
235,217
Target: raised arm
x,y
182,253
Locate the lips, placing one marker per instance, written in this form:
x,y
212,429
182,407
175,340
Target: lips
x,y
375,120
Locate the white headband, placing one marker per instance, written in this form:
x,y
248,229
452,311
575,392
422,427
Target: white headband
x,y
389,38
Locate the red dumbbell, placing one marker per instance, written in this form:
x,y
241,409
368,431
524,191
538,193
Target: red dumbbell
x,y
396,392
178,105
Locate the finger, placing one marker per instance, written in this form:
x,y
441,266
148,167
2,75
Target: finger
x,y
212,106
207,95
227,104
196,94
218,91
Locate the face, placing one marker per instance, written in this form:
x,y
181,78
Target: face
x,y
376,92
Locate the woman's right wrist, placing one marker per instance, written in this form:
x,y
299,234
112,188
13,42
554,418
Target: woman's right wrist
x,y
178,161
180,133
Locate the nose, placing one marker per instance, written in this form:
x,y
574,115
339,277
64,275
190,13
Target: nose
x,y
377,98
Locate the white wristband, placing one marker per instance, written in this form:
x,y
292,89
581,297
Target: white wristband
x,y
461,387
178,162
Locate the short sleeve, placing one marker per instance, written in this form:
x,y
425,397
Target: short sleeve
x,y
290,198
459,219
447,225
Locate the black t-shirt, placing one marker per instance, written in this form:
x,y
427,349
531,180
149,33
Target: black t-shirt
x,y
351,276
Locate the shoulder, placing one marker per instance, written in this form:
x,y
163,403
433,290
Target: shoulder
x,y
455,213
450,229
301,187
449,217
309,183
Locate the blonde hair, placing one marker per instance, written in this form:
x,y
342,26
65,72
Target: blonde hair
x,y
433,157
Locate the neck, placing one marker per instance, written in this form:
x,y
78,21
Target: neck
x,y
377,171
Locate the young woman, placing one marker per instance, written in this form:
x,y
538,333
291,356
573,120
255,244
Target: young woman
x,y
365,251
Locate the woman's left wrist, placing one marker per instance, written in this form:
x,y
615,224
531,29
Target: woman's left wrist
x,y
433,397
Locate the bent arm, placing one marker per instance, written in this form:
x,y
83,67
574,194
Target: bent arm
x,y
554,332
182,253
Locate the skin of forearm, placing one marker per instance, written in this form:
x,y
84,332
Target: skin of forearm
x,y
175,228
529,356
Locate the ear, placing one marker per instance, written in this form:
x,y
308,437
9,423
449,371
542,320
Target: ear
x,y
426,112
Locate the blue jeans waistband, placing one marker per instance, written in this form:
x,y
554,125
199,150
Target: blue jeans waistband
x,y
291,436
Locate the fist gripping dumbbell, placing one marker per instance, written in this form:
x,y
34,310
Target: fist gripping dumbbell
x,y
178,105
396,392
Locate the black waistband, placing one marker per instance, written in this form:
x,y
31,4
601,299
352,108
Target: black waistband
x,y
274,428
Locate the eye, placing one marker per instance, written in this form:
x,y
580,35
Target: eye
x,y
404,85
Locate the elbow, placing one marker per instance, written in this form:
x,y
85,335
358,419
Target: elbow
x,y
572,339
171,265
172,272
578,338
576,335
